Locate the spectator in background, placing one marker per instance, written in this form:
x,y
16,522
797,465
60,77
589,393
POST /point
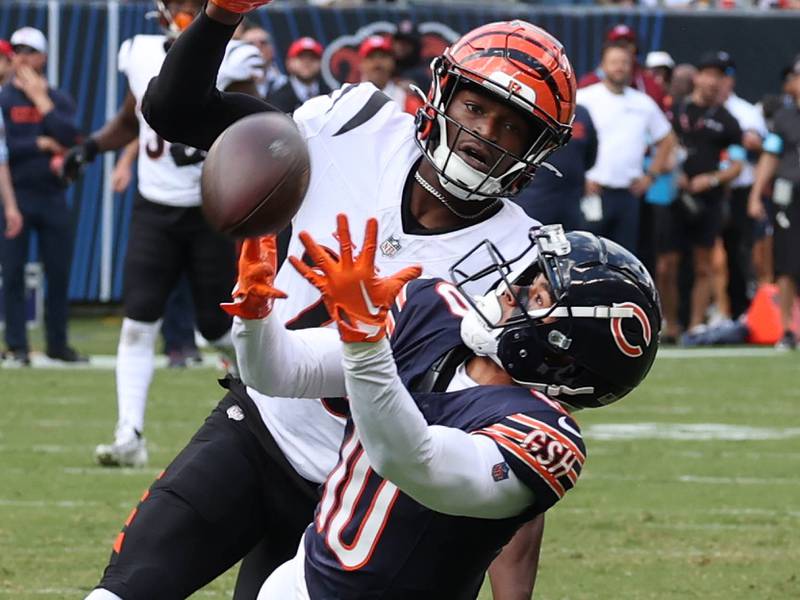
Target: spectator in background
x,y
11,224
707,132
737,233
258,36
409,64
553,198
378,66
40,124
781,157
303,66
640,80
659,65
6,57
627,122
681,84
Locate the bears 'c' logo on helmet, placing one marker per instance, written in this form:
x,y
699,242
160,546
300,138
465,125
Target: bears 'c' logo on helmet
x,y
340,61
625,346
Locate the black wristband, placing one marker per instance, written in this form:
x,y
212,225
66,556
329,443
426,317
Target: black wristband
x,y
90,149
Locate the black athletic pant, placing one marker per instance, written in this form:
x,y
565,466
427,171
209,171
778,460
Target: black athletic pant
x,y
738,239
165,242
229,488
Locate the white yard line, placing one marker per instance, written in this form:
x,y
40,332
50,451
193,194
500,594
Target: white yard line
x,y
212,360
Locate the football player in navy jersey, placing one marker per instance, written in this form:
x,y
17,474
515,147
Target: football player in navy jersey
x,y
460,428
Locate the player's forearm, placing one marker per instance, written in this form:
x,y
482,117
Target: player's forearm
x,y
513,572
292,364
8,199
765,170
442,468
662,158
121,129
183,104
730,173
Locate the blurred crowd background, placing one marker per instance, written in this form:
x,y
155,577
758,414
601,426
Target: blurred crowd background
x,y
677,106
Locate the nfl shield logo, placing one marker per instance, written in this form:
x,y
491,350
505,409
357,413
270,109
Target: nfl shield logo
x,y
390,246
500,471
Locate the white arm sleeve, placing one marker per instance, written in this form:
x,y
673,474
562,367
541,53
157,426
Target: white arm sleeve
x,y
443,468
293,364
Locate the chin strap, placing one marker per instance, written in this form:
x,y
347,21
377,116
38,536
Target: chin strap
x,y
441,198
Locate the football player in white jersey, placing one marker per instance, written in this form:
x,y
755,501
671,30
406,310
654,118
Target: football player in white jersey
x,y
168,235
252,471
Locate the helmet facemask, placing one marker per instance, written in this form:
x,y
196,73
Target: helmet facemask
x,y
509,173
173,24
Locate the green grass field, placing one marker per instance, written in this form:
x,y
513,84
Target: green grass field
x,y
691,488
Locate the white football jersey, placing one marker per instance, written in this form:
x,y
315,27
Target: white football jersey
x,y
362,149
160,179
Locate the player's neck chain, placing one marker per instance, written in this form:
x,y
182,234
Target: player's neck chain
x,y
441,198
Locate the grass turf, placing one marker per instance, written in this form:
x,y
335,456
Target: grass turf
x,y
691,488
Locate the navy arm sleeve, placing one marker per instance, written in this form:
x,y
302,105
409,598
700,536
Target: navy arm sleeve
x,y
182,104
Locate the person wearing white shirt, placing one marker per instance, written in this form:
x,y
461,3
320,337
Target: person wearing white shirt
x,y
627,122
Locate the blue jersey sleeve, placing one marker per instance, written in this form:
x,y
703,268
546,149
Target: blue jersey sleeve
x,y
545,450
424,324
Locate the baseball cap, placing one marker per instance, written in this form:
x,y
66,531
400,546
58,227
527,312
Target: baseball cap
x,y
6,49
406,30
719,59
304,44
621,33
659,58
30,37
793,68
375,43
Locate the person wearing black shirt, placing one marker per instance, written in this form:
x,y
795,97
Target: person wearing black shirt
x,y
710,137
781,158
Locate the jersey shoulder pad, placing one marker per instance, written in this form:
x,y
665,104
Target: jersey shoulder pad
x,y
543,446
242,62
427,295
346,109
142,50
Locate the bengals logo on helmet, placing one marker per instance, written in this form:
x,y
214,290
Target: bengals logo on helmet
x,y
625,346
340,61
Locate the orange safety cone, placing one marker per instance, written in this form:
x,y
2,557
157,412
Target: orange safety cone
x,y
764,316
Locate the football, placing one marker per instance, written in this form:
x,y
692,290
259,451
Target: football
x,y
255,176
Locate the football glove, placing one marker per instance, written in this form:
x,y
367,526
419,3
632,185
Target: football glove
x,y
184,155
240,6
353,293
76,159
254,292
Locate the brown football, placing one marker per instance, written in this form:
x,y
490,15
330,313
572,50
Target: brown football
x,y
255,176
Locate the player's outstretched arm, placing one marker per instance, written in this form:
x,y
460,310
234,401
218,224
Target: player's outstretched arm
x,y
443,468
183,104
274,361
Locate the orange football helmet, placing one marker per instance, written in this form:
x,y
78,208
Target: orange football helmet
x,y
174,20
518,63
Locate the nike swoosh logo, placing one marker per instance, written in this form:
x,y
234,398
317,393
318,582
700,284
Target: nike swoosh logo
x,y
562,422
371,308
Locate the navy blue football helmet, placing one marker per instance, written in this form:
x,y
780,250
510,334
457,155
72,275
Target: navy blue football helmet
x,y
595,343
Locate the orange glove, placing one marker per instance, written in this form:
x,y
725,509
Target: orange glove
x,y
240,6
353,293
253,293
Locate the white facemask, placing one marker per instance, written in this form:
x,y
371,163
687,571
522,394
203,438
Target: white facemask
x,y
469,178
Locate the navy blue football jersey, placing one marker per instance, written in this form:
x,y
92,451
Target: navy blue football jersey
x,y
370,540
